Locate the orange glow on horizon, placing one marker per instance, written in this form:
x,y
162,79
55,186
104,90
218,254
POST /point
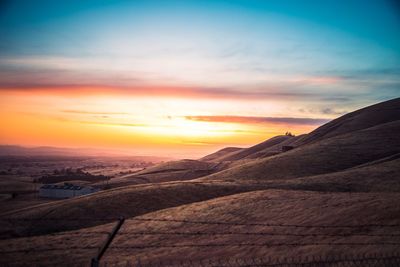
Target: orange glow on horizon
x,y
145,124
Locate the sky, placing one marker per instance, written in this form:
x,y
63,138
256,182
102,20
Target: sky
x,y
183,78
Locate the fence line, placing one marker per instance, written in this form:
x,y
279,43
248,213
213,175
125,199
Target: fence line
x,y
287,227
56,219
258,233
89,233
94,233
259,245
366,260
203,222
206,245
46,249
262,224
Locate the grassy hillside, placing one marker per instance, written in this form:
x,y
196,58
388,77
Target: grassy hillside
x,y
328,155
266,207
367,117
220,153
243,153
275,149
335,193
307,160
137,200
379,177
107,205
180,170
254,224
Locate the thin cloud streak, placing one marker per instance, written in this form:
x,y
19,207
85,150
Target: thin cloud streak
x,y
118,124
83,112
143,125
267,92
115,124
257,120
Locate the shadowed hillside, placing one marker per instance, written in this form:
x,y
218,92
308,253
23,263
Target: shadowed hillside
x,y
269,207
243,153
367,117
237,226
275,149
336,190
179,170
329,154
265,159
108,205
221,153
379,177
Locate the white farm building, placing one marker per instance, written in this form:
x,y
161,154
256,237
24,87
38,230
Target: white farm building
x,y
65,191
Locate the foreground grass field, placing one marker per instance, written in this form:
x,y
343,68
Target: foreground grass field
x,y
335,193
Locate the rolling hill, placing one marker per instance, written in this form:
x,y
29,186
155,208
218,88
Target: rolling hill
x,y
268,207
221,153
264,223
378,177
367,117
351,143
275,149
106,206
179,170
336,192
247,152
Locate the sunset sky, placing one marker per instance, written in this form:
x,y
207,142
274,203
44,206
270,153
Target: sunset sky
x,y
184,78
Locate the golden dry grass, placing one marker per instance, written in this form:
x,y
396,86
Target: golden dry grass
x,y
247,152
382,176
328,155
220,153
381,113
378,177
180,170
107,205
275,149
357,153
266,208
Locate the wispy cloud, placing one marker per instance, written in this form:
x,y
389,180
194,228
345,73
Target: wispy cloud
x,y
331,111
325,111
266,92
115,124
99,122
84,112
371,73
251,120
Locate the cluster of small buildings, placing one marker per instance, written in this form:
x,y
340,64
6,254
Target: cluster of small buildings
x,y
66,190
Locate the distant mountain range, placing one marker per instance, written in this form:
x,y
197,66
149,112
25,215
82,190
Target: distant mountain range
x,y
48,151
13,150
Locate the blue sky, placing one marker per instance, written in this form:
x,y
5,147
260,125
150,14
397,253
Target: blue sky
x,y
189,74
240,45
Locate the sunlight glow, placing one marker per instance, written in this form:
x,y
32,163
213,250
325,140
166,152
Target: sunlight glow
x,y
112,120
